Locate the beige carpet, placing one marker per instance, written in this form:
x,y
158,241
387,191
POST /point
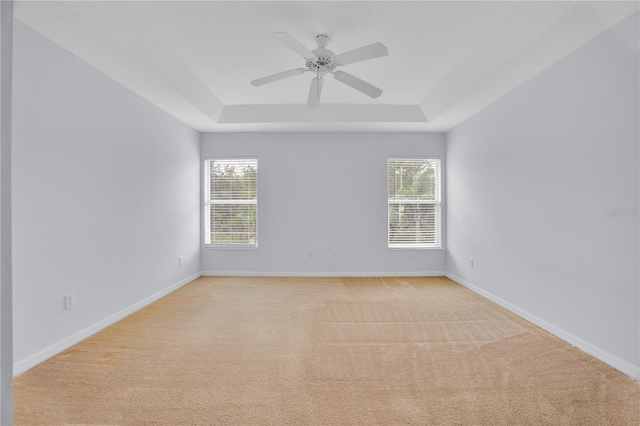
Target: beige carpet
x,y
325,351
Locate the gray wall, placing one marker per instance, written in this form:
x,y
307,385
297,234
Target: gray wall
x,y
533,181
6,299
106,197
322,192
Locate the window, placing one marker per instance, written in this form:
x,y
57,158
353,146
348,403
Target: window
x,y
231,203
414,202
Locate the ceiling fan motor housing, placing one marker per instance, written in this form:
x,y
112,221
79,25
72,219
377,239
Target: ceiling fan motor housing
x,y
324,61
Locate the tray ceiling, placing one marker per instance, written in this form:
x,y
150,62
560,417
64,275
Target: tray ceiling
x,y
195,59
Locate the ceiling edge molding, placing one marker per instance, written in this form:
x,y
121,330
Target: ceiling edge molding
x,y
325,113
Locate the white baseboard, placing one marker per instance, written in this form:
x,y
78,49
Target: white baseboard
x,y
322,274
31,361
620,364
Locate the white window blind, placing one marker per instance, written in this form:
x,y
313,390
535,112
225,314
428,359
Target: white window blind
x,y
414,202
231,202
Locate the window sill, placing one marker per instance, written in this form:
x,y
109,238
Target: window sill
x,y
229,247
415,248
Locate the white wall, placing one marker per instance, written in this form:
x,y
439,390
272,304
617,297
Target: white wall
x,y
106,197
322,192
529,182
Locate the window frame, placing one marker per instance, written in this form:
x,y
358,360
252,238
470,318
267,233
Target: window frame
x,y
207,202
437,203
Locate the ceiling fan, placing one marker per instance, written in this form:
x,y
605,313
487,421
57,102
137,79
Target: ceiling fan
x,y
322,61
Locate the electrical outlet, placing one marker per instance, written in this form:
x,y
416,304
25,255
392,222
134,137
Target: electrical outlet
x,y
69,301
310,254
179,260
335,253
471,262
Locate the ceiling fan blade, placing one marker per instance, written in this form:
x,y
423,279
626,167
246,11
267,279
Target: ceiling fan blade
x,y
356,83
293,44
315,91
364,53
279,76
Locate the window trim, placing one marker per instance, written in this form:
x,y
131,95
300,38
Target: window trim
x,y
437,203
206,164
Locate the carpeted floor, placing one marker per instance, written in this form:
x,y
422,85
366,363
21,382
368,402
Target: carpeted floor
x,y
325,351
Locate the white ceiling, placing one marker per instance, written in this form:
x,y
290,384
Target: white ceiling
x,y
195,59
